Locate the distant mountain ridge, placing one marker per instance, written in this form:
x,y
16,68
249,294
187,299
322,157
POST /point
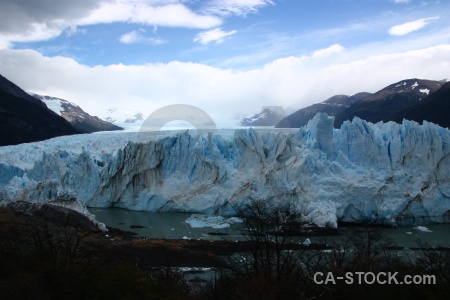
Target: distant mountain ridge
x,y
10,88
123,116
269,116
385,104
435,108
332,106
25,119
392,103
76,116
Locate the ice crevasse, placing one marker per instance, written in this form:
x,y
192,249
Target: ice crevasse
x,y
384,173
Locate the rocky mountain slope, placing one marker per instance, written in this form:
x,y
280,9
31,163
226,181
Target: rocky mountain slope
x,y
25,119
269,116
389,104
389,101
76,116
434,108
332,106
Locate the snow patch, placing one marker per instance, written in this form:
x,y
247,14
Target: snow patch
x,y
425,91
54,105
400,84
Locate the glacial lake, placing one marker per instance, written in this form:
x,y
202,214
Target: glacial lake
x,y
177,225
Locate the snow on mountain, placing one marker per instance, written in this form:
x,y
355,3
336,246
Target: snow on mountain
x,y
25,119
269,116
123,116
382,173
385,104
434,108
75,115
53,103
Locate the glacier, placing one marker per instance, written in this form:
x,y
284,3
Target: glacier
x,y
384,173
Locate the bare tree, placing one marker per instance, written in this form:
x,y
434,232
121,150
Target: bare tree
x,y
269,232
62,244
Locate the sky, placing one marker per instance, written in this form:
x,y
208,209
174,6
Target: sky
x,y
227,57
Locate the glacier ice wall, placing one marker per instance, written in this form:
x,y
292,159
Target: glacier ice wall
x,y
382,173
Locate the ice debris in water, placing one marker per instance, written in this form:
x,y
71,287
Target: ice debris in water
x,y
217,222
423,229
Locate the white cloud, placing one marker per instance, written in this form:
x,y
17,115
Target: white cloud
x,y
135,11
235,7
409,27
35,32
289,82
27,21
402,1
214,35
333,49
137,37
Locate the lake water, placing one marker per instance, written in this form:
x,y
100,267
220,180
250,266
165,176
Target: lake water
x,y
186,225
167,225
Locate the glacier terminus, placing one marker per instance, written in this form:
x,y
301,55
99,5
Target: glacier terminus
x,y
384,173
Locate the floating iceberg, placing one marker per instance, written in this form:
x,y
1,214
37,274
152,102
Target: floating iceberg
x,y
423,229
381,173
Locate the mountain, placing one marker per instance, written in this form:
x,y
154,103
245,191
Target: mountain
x,y
25,119
384,173
435,108
385,104
7,87
124,116
79,119
332,106
269,116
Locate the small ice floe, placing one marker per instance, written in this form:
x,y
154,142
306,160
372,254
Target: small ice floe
x,y
185,238
423,229
307,242
408,232
193,269
327,250
217,222
172,229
